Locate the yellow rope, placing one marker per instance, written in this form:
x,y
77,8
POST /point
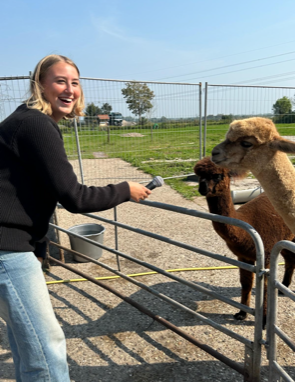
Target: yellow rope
x,y
145,274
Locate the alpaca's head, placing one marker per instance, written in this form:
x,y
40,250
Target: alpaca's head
x,y
213,180
250,144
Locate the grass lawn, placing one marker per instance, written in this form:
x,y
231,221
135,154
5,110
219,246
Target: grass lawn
x,y
166,152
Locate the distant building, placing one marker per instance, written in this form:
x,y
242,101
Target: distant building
x,y
103,119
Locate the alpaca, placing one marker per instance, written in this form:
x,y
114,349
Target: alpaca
x,y
214,183
255,145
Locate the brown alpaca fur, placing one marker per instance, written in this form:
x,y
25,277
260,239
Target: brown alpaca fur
x,y
255,145
214,183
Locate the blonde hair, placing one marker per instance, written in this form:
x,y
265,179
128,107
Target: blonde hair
x,y
36,100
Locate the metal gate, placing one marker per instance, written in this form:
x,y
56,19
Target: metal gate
x,y
252,348
277,372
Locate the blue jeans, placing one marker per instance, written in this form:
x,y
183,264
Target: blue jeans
x,y
36,339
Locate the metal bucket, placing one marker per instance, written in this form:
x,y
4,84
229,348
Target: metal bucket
x,y
90,231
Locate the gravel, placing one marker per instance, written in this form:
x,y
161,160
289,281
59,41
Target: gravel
x,y
110,341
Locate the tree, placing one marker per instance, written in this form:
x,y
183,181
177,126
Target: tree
x,y
106,108
138,97
91,114
143,121
282,106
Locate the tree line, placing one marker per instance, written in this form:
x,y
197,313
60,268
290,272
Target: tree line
x,y
139,101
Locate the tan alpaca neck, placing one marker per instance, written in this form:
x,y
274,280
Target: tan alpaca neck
x,y
278,181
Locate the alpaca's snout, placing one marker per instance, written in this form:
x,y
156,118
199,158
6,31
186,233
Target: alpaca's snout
x,y
219,153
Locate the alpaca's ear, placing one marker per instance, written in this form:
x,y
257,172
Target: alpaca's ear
x,y
282,144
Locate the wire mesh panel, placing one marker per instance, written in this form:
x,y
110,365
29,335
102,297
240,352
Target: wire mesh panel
x,y
224,103
156,128
13,91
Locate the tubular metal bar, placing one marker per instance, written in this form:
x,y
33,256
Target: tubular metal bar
x,y
167,324
253,86
272,307
281,372
272,310
162,297
106,79
161,271
15,78
205,118
285,338
248,267
248,364
200,120
78,150
140,82
287,292
116,238
204,215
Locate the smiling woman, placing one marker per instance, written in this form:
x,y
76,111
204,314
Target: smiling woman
x,y
35,174
55,83
61,89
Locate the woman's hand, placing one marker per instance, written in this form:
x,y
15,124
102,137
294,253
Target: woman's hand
x,y
138,191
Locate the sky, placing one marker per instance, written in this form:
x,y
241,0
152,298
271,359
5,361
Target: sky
x,y
191,41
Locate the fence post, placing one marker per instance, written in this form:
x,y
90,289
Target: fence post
x,y
200,118
276,372
108,133
272,313
116,238
205,118
78,150
259,281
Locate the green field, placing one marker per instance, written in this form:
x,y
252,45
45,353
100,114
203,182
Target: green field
x,y
165,151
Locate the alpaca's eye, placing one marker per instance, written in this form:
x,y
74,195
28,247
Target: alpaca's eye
x,y
246,144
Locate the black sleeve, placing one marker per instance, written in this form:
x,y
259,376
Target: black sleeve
x,y
41,248
39,144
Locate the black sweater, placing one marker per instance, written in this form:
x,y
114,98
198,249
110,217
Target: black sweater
x,y
35,174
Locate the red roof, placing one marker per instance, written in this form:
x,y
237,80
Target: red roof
x,y
103,116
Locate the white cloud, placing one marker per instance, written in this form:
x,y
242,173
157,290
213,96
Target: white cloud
x,y
111,27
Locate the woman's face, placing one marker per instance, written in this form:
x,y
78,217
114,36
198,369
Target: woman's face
x,y
61,89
